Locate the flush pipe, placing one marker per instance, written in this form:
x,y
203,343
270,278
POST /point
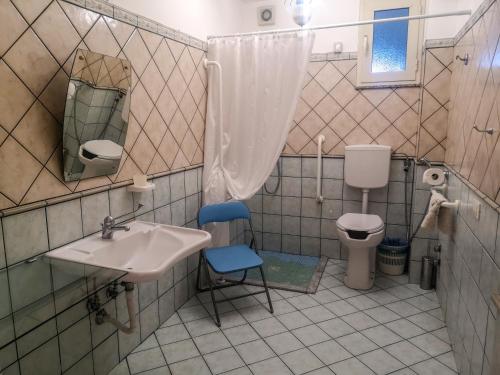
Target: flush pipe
x,y
103,317
364,205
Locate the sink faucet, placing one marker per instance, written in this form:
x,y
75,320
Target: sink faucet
x,y
109,227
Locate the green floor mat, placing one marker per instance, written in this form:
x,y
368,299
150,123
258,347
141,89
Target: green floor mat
x,y
298,273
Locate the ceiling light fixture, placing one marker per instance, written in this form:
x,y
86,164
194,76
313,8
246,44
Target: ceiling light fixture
x,y
301,11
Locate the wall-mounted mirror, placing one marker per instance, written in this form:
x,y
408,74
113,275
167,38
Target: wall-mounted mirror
x,y
96,115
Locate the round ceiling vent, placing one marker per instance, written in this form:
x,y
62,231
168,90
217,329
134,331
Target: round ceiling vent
x,y
265,15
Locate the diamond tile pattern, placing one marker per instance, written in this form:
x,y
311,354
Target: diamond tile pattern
x,y
331,105
475,100
435,102
290,343
38,43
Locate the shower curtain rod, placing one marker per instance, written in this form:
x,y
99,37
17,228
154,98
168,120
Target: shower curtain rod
x,y
347,24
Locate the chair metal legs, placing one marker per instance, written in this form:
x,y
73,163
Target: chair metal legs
x,y
202,262
267,290
214,302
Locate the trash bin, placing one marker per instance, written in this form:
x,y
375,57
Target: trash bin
x,y
391,255
427,276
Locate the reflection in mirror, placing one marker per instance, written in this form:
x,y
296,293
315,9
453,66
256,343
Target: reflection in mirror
x,y
96,115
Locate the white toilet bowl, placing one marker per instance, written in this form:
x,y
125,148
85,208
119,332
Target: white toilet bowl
x,y
360,233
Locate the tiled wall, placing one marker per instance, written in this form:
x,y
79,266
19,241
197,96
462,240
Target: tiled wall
x,y
438,63
292,221
331,105
475,100
468,275
37,45
45,328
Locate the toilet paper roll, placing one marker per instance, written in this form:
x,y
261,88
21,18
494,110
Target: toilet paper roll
x,y
434,177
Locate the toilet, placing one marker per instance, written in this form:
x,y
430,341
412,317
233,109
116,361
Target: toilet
x,y
99,156
366,167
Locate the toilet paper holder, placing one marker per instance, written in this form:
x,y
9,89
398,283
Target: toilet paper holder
x,y
454,204
443,188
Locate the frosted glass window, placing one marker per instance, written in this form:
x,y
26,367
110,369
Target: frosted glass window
x,y
390,42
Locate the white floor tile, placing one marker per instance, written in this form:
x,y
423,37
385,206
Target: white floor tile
x,y
284,343
380,362
351,366
356,343
337,331
254,351
301,361
310,335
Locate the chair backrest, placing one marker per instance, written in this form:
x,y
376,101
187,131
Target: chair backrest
x,y
222,212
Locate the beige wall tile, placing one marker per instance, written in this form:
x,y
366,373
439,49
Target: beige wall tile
x,y
82,19
11,27
19,170
342,124
99,39
168,148
142,152
312,124
38,132
31,9
375,124
45,186
29,66
186,65
155,127
328,77
152,40
32,62
57,32
393,107
472,91
313,93
15,98
153,81
359,108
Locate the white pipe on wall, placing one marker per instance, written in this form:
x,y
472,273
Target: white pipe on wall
x,y
206,64
319,197
347,24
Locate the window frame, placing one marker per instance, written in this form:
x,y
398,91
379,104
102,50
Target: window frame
x,y
409,77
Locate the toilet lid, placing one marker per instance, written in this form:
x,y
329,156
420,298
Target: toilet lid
x,y
104,149
360,223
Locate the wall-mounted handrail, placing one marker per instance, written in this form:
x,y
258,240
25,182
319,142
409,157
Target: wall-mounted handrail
x,y
319,197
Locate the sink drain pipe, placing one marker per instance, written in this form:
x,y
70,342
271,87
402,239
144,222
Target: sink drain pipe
x,y
103,316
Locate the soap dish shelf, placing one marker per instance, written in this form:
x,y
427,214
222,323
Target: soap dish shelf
x,y
141,189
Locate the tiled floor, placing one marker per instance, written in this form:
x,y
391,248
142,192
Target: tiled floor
x,y
394,328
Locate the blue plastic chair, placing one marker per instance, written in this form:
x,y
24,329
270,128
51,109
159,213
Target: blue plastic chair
x,y
228,259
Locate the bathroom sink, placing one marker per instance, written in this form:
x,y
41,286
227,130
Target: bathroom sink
x,y
145,252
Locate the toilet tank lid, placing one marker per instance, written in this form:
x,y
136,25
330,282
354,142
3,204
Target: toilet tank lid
x,y
368,148
360,222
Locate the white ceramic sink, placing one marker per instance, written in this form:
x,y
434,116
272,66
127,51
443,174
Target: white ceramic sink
x,y
145,252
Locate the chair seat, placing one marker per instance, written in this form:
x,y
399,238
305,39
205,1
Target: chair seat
x,y
232,258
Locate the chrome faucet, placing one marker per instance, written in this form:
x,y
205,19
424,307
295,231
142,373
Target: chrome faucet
x,y
109,227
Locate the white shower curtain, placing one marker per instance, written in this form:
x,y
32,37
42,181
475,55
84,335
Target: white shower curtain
x,y
262,79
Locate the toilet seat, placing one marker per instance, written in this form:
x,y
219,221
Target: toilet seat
x,y
360,223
